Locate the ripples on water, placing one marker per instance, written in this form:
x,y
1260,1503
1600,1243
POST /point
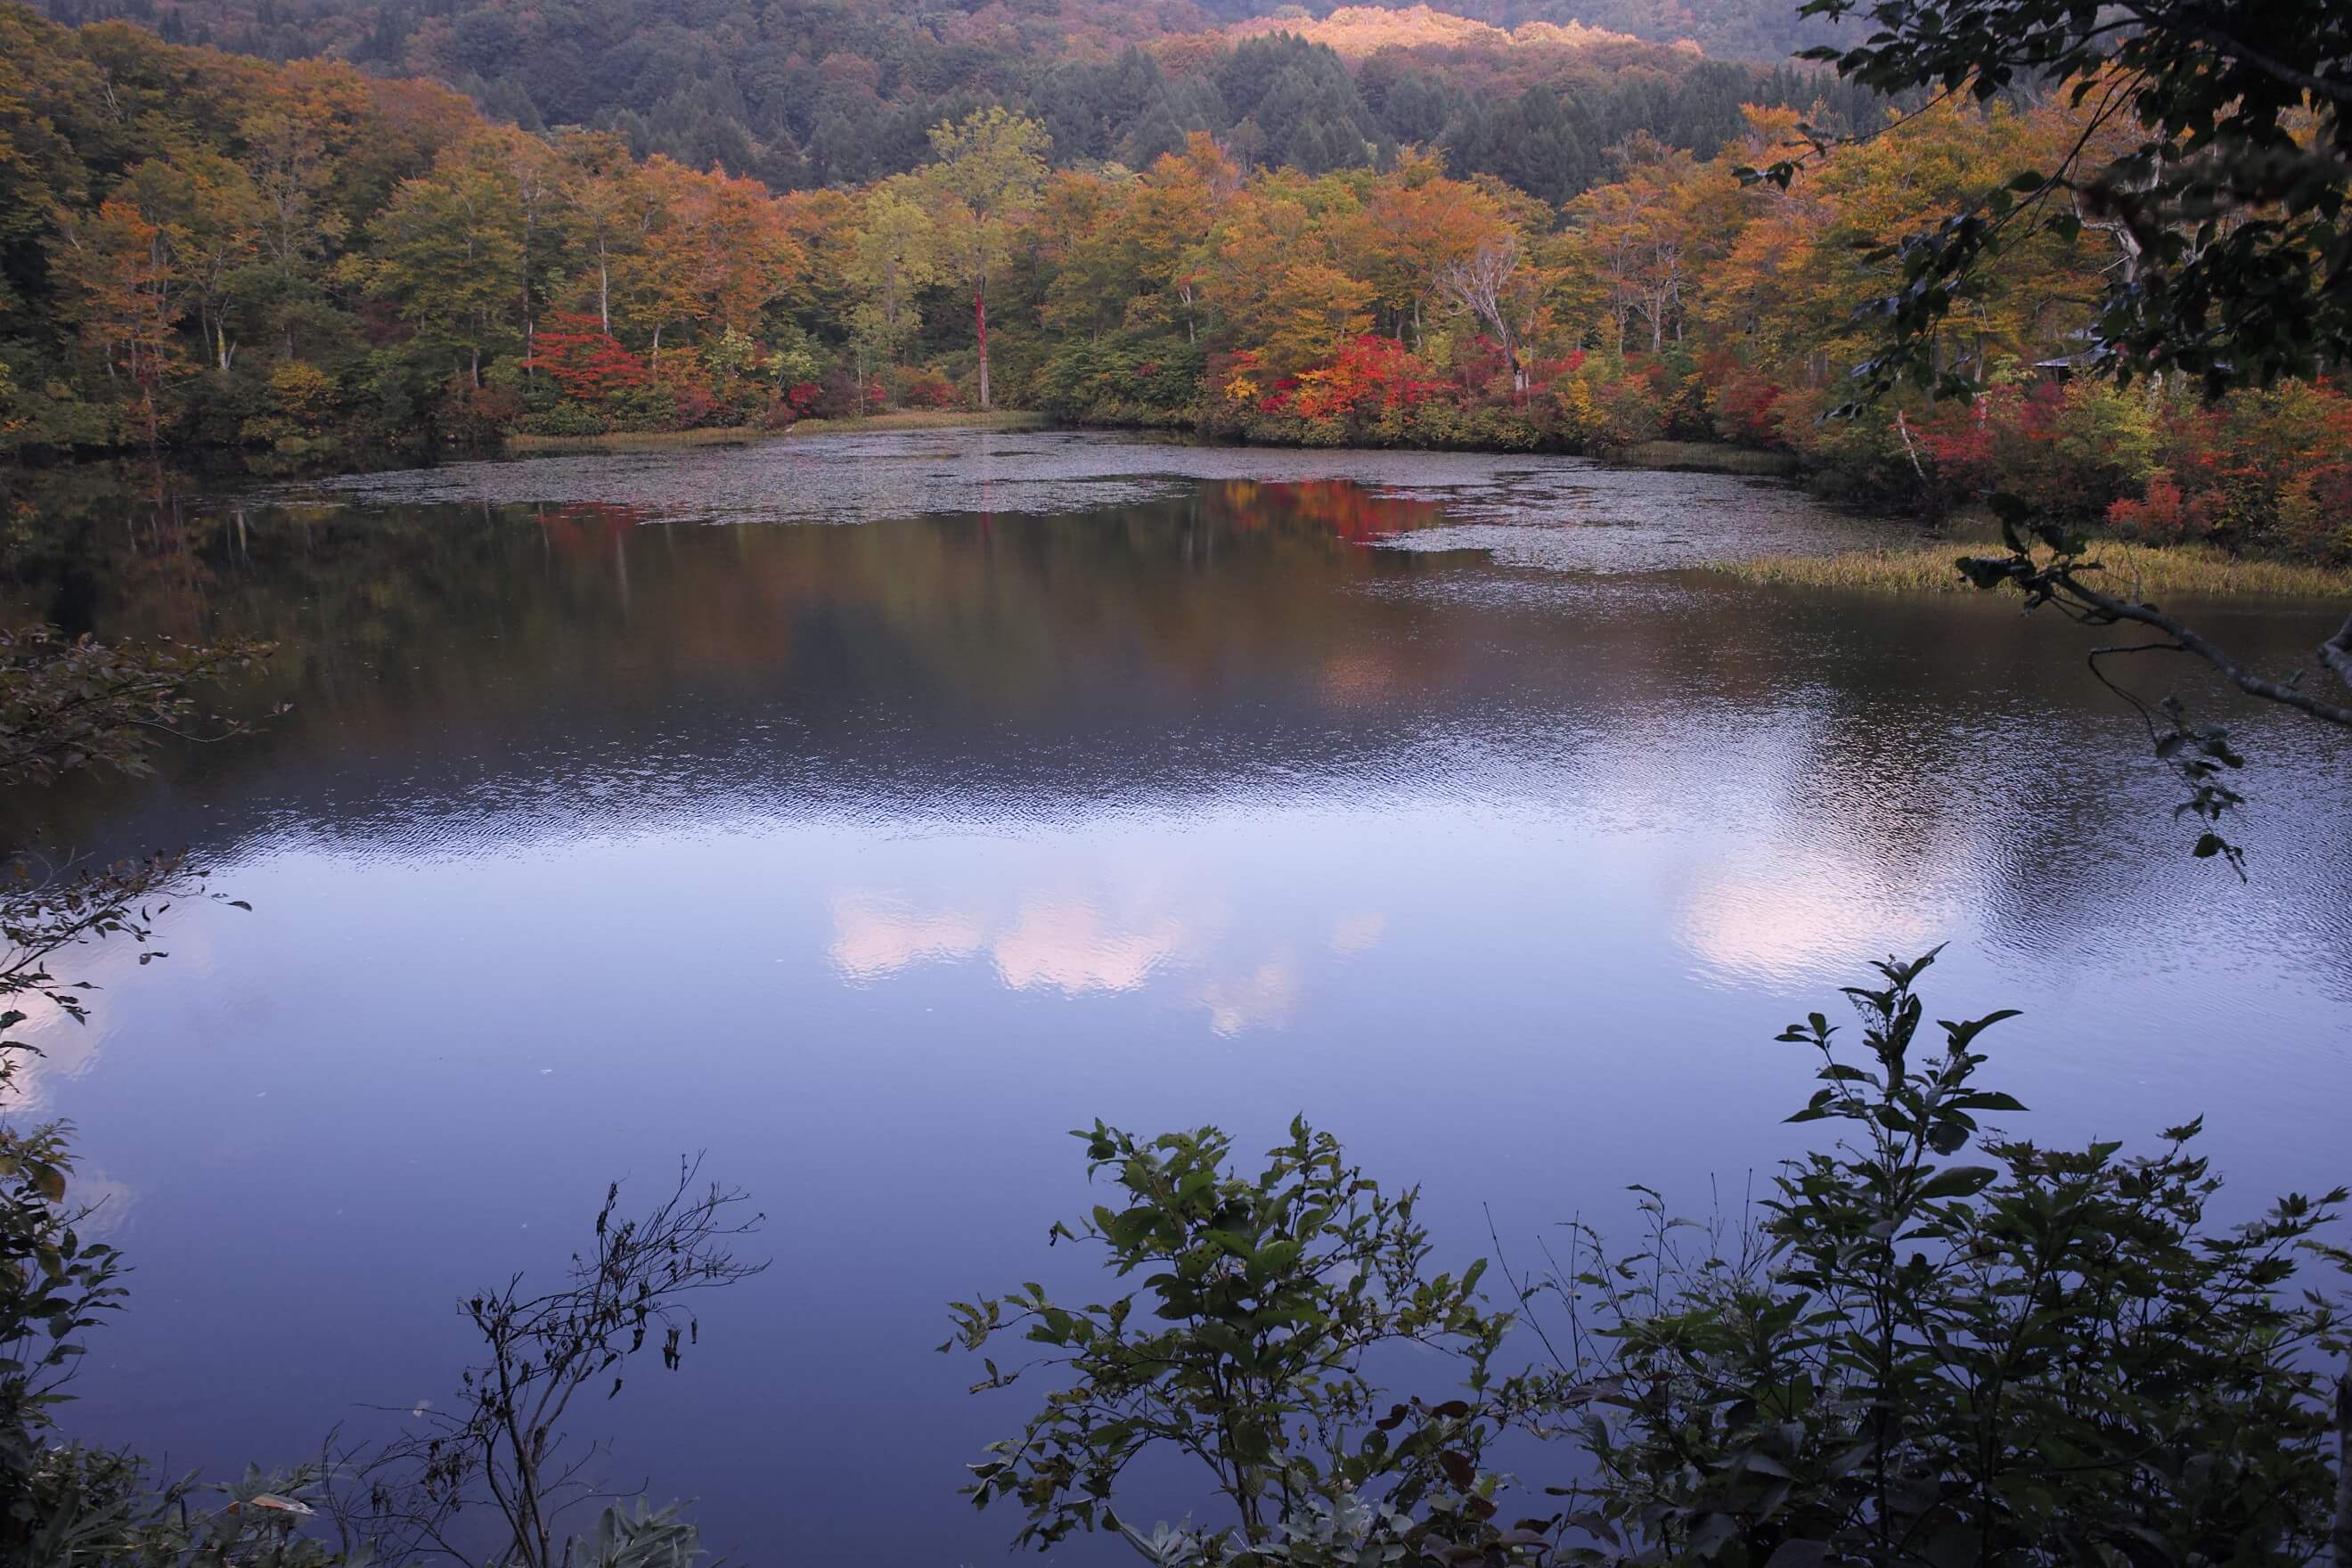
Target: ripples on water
x,y
1433,797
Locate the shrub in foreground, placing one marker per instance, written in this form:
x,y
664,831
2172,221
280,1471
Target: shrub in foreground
x,y
1938,1345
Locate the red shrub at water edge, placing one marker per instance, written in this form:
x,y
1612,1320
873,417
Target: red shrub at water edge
x,y
2166,516
930,389
476,417
1744,403
1544,371
1484,369
697,402
587,361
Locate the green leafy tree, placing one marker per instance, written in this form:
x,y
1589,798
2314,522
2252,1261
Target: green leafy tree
x,y
447,251
2047,1355
1245,1345
892,257
988,173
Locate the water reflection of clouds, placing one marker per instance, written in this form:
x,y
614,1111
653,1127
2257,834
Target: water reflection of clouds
x,y
871,940
1784,848
1060,942
1077,946
53,1045
1358,933
1794,914
1064,943
1265,998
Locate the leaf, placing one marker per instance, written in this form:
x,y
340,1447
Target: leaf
x,y
1958,1182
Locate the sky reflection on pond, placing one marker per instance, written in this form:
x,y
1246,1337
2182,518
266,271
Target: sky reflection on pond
x,y
873,859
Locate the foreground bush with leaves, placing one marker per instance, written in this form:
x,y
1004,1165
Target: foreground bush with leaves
x,y
69,705
1263,1299
2029,1356
2051,1356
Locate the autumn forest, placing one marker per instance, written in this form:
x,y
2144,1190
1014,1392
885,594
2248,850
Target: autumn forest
x,y
303,259
906,704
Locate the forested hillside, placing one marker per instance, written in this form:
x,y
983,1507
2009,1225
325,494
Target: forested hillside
x,y
205,249
807,94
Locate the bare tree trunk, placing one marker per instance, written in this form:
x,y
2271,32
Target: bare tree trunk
x,y
980,316
1903,428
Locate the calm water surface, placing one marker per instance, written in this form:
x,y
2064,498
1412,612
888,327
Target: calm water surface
x,y
869,811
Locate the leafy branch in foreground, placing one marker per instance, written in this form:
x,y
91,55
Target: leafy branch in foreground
x,y
67,703
1245,1347
2048,1356
68,706
503,1444
1934,1345
93,1507
2214,147
2051,566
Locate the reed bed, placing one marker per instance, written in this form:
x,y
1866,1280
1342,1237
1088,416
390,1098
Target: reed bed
x,y
2148,571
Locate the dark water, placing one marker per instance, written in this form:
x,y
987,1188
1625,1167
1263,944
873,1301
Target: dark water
x,y
869,812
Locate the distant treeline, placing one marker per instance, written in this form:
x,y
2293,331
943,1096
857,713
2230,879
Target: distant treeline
x,y
803,95
201,249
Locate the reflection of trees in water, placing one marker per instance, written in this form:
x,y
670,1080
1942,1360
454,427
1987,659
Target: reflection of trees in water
x,y
1131,652
981,611
497,631
1916,755
1339,508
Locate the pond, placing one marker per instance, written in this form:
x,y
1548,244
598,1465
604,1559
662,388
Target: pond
x,y
867,812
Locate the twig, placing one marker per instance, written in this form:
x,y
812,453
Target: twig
x,y
2336,652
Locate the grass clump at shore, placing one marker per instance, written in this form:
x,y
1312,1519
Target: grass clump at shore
x,y
2144,570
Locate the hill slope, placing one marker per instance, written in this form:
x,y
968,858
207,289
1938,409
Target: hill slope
x,y
806,93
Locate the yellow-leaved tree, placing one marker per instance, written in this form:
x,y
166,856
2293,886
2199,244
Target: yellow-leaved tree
x,y
987,175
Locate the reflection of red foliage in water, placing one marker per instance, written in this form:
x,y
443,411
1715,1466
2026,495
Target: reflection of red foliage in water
x,y
586,524
1339,508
